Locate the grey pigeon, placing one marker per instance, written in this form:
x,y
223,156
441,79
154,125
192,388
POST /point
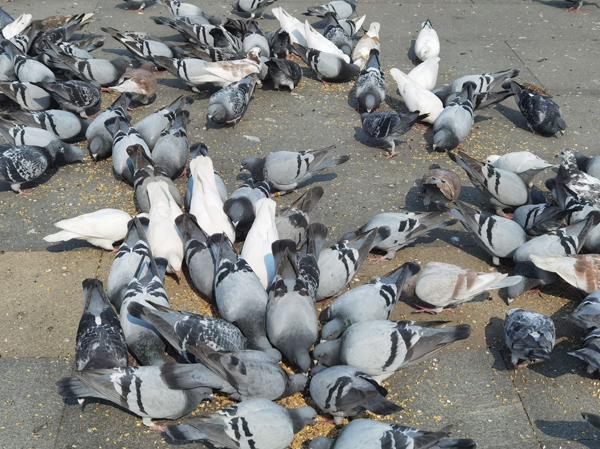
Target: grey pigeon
x,y
404,227
590,165
124,136
240,297
344,391
308,257
80,97
334,32
499,236
133,250
170,151
27,69
52,60
577,182
100,342
139,389
179,8
327,66
388,126
257,422
343,9
143,46
292,324
251,8
151,126
228,105
503,189
28,96
67,126
439,186
284,73
373,301
279,43
293,223
285,170
522,163
370,87
254,37
60,33
543,116
529,336
199,149
539,219
380,348
590,351
453,125
587,314
100,140
369,434
240,207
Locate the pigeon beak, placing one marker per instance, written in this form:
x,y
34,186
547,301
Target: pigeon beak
x,y
562,131
434,146
241,168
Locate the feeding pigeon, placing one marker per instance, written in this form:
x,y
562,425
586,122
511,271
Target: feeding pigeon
x,y
100,342
170,151
522,163
26,68
179,8
228,105
351,26
343,9
373,301
199,149
251,8
590,351
363,50
539,219
388,126
327,66
293,223
308,257
581,271
529,336
279,43
370,87
427,44
67,126
240,206
13,27
124,136
80,97
140,83
416,97
439,186
335,33
380,348
254,37
284,73
28,96
587,314
577,182
135,6
426,73
142,45
453,125
343,391
59,31
152,126
100,140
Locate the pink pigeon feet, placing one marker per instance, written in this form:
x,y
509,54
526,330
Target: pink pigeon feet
x,y
326,83
392,154
25,193
378,259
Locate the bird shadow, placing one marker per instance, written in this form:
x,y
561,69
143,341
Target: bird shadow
x,y
559,4
48,174
70,245
481,118
322,177
124,5
411,54
494,338
514,116
558,429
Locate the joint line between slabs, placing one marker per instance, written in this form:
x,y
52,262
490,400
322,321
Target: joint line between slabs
x,y
525,65
62,417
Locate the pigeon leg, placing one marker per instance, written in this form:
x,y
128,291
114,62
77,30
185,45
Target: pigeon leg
x,y
25,193
424,310
378,259
105,89
115,250
327,83
571,9
287,192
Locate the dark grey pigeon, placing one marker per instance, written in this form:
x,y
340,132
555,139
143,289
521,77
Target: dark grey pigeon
x,y
327,66
308,257
100,140
543,116
27,69
170,151
335,33
80,97
373,301
344,391
139,389
388,126
587,314
370,87
67,126
257,423
228,105
539,219
284,73
151,126
292,223
454,123
240,206
181,9
590,351
254,37
100,342
279,43
343,9
28,96
251,8
529,336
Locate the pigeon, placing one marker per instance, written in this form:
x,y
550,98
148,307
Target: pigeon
x,y
26,68
404,228
308,257
254,37
251,8
170,151
199,149
373,301
295,29
335,33
279,43
500,237
344,391
240,206
426,73
327,66
427,44
135,6
577,182
388,126
142,45
590,351
351,26
439,186
503,189
28,96
51,58
539,219
416,97
364,47
380,348
257,422
100,140
453,125
124,136
581,271
317,41
293,223
590,165
179,8
139,389
543,116
369,434
228,105
445,286
339,264
343,9
59,31
100,342
240,297
12,27
257,246
235,27
80,97
152,126
285,170
67,126
292,325
522,163
529,336
140,83
587,314
284,73
370,87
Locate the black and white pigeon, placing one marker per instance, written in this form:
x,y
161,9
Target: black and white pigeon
x,y
335,33
254,37
80,97
60,33
229,104
139,389
279,43
28,96
328,67
251,8
170,151
285,170
26,68
373,301
67,126
152,126
257,423
142,45
503,189
344,391
370,434
370,87
543,115
339,264
529,336
575,181
343,9
453,125
587,314
179,8
100,342
293,222
124,136
308,257
539,219
590,351
380,348
292,324
284,73
388,126
100,140
240,207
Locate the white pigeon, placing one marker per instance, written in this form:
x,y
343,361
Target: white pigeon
x,y
17,26
257,247
427,44
317,41
291,25
206,204
370,41
426,73
162,233
101,228
417,98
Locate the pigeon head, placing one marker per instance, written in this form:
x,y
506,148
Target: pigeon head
x,y
252,27
561,125
301,359
217,113
445,139
425,51
334,328
254,55
121,63
301,417
568,158
99,147
72,153
328,353
492,158
320,443
297,383
254,165
371,103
